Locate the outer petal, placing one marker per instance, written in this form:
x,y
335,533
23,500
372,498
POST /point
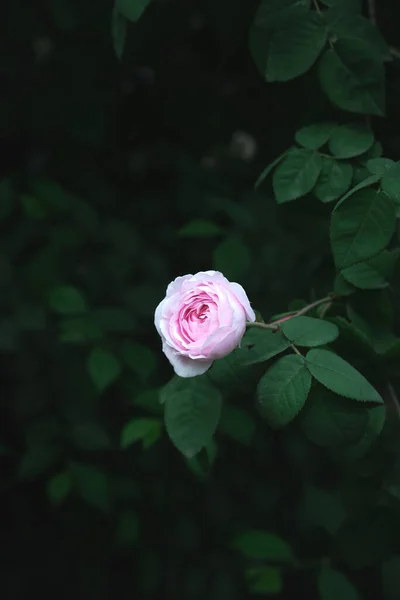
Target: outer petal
x,y
184,366
222,342
158,315
176,285
243,299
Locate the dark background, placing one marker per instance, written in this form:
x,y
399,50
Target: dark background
x,y
102,164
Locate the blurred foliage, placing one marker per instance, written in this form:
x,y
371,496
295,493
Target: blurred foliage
x,y
131,137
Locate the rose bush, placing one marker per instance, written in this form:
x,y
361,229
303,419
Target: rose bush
x,y
202,318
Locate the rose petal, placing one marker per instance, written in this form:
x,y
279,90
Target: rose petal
x,y
185,366
222,342
243,299
175,286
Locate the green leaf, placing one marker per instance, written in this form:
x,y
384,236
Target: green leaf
x,y
292,49
36,461
348,141
283,390
32,206
349,26
237,424
264,580
232,258
306,331
89,436
361,227
67,300
334,180
366,182
58,487
91,484
141,359
333,585
140,430
352,77
192,413
259,345
264,545
79,329
331,421
340,377
379,166
296,175
132,9
103,367
314,136
391,182
373,273
342,287
270,167
119,28
376,421
200,228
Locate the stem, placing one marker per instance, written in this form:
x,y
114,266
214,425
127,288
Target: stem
x,y
262,325
317,8
296,350
306,309
393,397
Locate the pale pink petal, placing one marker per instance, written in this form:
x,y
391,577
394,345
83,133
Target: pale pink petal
x,y
158,315
175,286
243,299
185,366
222,342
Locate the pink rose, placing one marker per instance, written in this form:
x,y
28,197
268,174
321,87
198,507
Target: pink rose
x,y
202,318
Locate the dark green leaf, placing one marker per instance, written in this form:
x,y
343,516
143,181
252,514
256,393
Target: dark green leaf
x,y
334,180
340,377
314,136
67,300
332,421
306,331
352,77
264,580
294,47
373,273
364,183
132,9
104,368
58,487
296,175
379,166
361,227
333,585
237,424
200,228
91,484
391,182
376,421
141,359
140,430
259,345
119,28
269,168
36,461
350,140
192,413
264,545
283,390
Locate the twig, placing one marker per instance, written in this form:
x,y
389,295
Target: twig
x,y
263,325
317,8
393,397
313,305
372,11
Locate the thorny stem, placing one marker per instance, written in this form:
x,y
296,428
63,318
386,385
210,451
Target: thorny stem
x,y
275,326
